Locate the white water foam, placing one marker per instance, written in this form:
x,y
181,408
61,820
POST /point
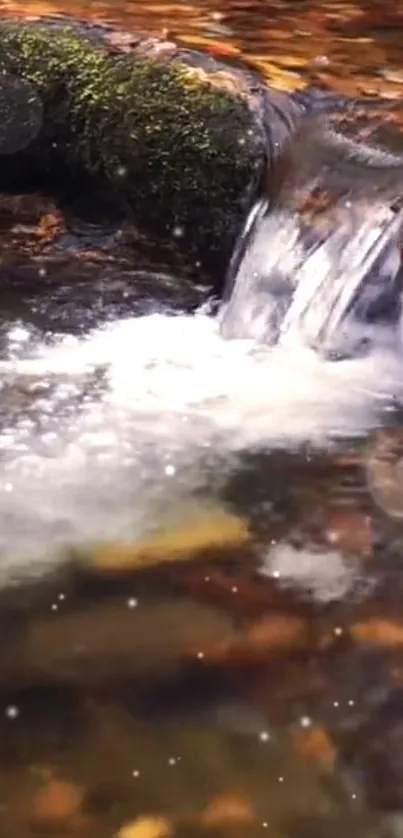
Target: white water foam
x,y
102,435
87,462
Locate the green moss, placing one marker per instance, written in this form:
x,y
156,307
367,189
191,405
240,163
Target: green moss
x,y
179,151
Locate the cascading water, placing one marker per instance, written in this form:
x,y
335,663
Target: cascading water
x,y
319,287
103,434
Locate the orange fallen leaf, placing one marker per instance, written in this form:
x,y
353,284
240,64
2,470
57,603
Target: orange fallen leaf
x,y
378,632
57,801
273,636
279,632
219,48
227,808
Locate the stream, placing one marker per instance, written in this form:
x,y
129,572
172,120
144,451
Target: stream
x,y
201,513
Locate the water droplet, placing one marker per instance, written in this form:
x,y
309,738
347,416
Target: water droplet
x,y
132,602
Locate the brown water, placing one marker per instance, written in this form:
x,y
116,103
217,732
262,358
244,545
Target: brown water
x,y
169,685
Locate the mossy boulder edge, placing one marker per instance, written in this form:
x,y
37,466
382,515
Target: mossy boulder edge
x,y
180,151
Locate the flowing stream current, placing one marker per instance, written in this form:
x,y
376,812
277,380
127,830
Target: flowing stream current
x,y
103,433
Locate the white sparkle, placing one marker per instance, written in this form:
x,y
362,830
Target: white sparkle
x,y
336,704
8,487
54,606
12,711
351,702
207,578
132,602
178,232
305,721
172,761
265,824
281,779
276,574
200,655
61,597
264,736
42,272
121,171
354,797
234,589
136,773
170,470
338,631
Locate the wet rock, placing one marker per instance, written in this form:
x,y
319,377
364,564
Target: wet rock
x,y
192,533
176,137
120,639
383,466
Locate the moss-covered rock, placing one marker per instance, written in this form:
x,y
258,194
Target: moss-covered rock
x,y
179,149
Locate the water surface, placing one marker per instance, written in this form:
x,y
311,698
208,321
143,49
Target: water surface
x,y
214,526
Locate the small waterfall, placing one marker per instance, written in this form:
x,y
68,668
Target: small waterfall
x,y
261,276
328,287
